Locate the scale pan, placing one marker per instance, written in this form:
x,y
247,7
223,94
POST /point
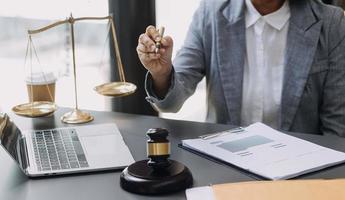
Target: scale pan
x,y
35,109
116,89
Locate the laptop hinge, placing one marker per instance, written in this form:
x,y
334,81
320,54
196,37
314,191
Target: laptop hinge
x,y
24,156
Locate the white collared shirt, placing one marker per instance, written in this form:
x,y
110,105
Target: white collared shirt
x,y
264,65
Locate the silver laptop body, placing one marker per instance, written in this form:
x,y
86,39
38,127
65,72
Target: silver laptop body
x,y
65,150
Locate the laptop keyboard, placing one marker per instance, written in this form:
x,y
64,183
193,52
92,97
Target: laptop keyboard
x,y
58,149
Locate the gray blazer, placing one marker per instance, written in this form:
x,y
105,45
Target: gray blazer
x,y
313,97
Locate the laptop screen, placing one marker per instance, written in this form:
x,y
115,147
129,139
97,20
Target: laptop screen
x,y
10,137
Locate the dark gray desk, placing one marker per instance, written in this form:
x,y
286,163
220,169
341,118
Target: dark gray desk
x,y
14,185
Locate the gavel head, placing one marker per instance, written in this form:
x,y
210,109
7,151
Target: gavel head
x,y
158,148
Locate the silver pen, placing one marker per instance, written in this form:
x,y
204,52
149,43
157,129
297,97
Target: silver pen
x,y
158,42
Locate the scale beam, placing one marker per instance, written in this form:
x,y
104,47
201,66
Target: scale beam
x,y
69,20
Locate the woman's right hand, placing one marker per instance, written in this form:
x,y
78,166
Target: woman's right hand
x,y
158,64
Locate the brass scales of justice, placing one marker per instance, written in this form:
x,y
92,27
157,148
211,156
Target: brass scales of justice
x,y
76,116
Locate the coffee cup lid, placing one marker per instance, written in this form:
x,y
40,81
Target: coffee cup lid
x,y
41,78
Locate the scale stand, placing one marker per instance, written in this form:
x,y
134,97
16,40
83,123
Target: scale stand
x,y
76,116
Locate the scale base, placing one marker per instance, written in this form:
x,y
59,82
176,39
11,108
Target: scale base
x,y
76,117
142,179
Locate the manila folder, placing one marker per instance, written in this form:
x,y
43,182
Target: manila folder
x,y
282,190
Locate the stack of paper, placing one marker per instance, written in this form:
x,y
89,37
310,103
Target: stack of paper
x,y
266,152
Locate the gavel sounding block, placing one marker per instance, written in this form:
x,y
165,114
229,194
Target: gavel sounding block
x,y
141,179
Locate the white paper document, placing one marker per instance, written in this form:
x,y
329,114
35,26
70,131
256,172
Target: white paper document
x,y
200,193
266,152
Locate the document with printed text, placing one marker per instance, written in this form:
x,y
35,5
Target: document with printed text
x,y
266,152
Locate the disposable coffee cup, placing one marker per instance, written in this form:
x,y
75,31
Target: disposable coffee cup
x,y
41,87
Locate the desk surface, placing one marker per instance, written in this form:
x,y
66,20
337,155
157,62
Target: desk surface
x,y
15,185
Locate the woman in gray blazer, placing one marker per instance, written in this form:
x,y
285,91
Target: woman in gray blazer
x,y
313,81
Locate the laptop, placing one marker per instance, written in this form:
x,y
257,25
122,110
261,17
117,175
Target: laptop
x,y
61,151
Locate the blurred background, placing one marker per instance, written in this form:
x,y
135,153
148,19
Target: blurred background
x,y
94,55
